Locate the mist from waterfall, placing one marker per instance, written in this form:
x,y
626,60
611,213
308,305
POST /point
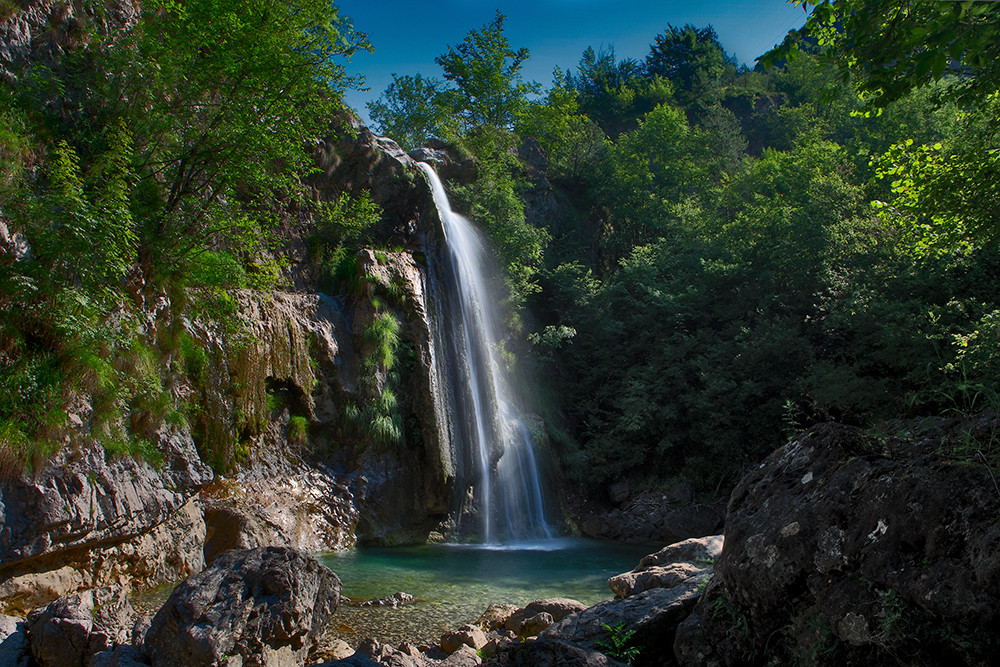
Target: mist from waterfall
x,y
497,477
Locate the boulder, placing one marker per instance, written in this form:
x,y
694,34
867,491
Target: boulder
x,y
120,656
496,616
651,616
538,615
467,635
14,647
671,566
69,631
548,653
266,605
849,546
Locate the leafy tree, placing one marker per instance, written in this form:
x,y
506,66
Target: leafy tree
x,y
890,47
693,60
486,72
616,93
411,111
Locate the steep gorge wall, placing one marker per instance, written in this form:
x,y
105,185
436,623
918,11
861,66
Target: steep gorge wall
x,y
280,360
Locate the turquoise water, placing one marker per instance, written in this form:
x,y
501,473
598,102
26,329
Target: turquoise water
x,y
454,584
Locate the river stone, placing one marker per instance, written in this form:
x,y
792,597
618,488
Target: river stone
x,y
265,605
527,622
467,635
496,616
652,615
70,630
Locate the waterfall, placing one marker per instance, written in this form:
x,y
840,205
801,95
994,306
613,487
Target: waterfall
x,y
497,476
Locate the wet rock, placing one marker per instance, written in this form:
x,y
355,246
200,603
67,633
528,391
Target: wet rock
x,y
71,630
266,605
867,547
671,566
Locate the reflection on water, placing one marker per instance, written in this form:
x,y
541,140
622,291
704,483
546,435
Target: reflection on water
x,y
455,583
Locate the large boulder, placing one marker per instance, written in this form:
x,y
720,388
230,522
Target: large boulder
x,y
671,566
548,653
69,631
266,605
651,601
857,547
540,614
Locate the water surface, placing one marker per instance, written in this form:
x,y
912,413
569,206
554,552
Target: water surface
x,y
455,583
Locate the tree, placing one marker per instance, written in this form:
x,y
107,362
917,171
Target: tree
x,y
411,111
220,97
693,60
891,47
486,72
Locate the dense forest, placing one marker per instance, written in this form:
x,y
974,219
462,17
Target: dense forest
x,y
726,256
736,254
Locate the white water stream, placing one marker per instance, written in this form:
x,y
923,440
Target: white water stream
x,y
497,476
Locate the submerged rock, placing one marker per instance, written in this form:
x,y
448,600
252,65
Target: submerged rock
x,y
266,605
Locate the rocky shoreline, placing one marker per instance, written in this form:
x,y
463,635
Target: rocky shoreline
x,y
272,605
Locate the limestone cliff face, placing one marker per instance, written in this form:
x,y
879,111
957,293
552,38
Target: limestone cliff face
x,y
267,411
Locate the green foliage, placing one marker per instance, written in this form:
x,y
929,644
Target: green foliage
x,y
616,646
412,109
947,198
340,227
892,47
486,72
298,429
382,337
693,60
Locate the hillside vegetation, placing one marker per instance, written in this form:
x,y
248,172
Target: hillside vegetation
x,y
728,255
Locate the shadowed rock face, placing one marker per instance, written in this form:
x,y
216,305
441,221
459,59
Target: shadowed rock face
x,y
859,546
86,519
267,605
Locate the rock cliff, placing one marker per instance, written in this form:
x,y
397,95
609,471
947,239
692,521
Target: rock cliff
x,y
268,385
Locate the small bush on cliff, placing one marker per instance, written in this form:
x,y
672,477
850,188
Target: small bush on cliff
x,y
298,429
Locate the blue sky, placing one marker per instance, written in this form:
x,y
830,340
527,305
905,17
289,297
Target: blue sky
x,y
408,35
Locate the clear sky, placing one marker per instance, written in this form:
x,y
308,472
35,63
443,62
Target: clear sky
x,y
408,35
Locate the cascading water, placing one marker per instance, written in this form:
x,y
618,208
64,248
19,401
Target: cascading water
x,y
497,476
